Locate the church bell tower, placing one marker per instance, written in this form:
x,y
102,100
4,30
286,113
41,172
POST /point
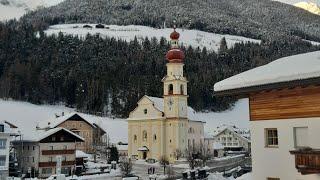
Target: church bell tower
x,y
175,84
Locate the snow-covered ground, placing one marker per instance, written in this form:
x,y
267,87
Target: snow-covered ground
x,y
28,116
10,9
193,38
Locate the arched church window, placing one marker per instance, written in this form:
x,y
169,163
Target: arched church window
x,y
135,138
145,111
155,137
145,136
170,89
181,89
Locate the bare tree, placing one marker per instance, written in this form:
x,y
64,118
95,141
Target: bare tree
x,y
192,156
126,167
164,162
178,154
204,154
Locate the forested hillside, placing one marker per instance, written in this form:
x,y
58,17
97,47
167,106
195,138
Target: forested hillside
x,y
108,76
259,19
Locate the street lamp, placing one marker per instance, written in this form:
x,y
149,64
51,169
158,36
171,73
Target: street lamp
x,y
21,152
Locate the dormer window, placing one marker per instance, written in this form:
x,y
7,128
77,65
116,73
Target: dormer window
x,y
145,111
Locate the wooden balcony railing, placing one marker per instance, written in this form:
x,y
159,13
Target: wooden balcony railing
x,y
57,152
53,164
307,161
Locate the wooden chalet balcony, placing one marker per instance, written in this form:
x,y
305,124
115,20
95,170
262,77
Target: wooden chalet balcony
x,y
57,152
307,161
53,164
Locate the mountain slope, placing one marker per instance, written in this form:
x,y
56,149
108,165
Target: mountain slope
x,y
16,8
309,6
249,18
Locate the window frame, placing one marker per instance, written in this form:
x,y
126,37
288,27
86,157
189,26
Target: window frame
x,y
144,136
295,137
3,143
266,138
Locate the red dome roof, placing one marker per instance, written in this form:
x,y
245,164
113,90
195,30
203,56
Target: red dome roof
x,y
174,35
175,55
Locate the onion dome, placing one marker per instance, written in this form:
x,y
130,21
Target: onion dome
x,y
175,54
174,35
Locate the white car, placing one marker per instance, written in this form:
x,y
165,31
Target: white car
x,y
57,177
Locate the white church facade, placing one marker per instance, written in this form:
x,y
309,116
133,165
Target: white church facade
x,y
160,127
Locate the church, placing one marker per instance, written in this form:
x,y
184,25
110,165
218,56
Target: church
x,y
161,127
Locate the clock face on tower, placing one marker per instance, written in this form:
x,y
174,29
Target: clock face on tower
x,y
170,103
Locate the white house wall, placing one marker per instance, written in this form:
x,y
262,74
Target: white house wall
x,y
278,162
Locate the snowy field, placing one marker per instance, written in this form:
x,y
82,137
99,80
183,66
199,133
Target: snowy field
x,y
192,38
238,115
17,8
28,116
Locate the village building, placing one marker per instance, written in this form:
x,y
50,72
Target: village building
x,y
232,138
284,103
5,138
218,150
214,149
92,133
123,151
81,159
38,151
159,127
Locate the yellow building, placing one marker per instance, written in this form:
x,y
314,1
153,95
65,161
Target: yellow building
x,y
160,126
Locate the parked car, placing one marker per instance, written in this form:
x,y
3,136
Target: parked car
x,y
57,177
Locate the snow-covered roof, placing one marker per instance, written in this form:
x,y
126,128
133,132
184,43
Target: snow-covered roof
x,y
207,135
143,148
159,104
217,145
52,123
122,147
6,127
36,135
234,128
81,154
244,133
292,68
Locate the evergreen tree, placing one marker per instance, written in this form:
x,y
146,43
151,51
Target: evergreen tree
x,y
114,154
